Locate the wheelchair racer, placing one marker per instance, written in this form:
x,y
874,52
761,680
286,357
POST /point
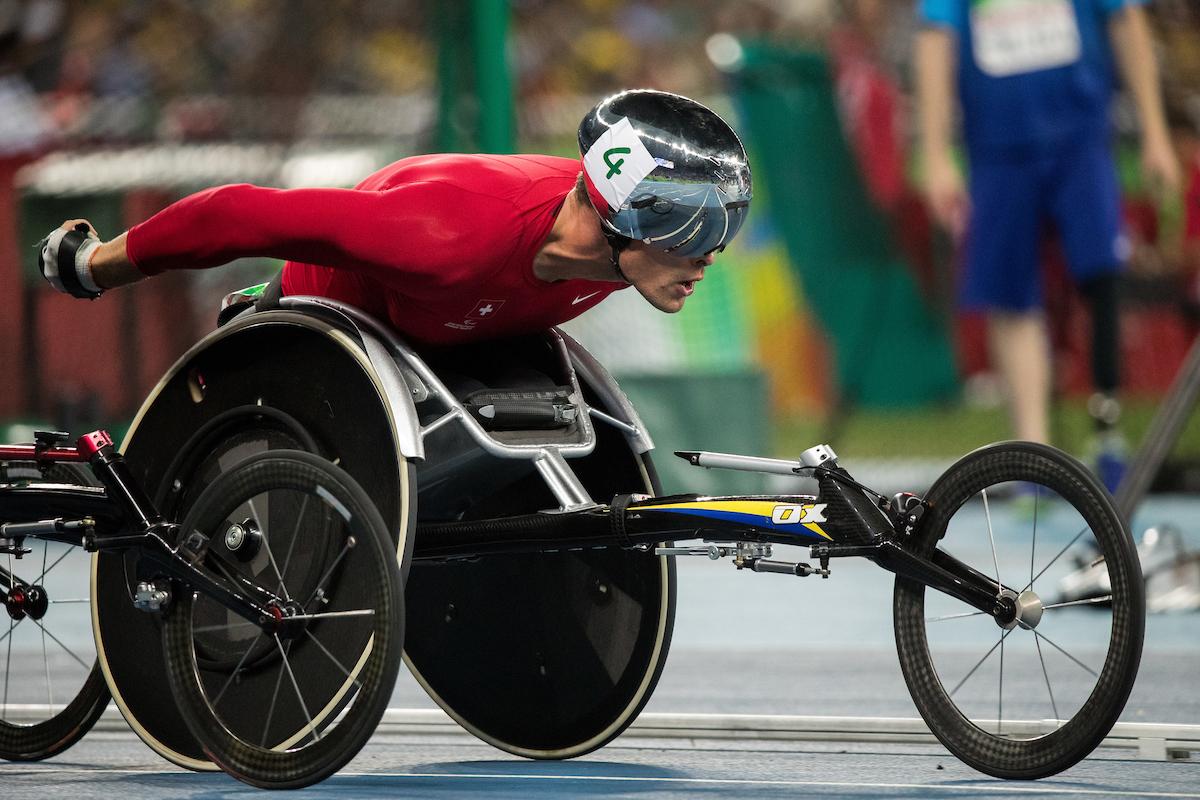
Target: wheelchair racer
x,y
456,248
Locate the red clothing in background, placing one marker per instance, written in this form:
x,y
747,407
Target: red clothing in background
x,y
1191,201
441,246
869,101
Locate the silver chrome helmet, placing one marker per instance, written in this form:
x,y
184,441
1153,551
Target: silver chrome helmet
x,y
664,170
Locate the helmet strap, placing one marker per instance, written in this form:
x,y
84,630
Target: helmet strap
x,y
618,243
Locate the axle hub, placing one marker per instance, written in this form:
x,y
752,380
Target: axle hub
x,y
27,601
243,540
1024,609
282,621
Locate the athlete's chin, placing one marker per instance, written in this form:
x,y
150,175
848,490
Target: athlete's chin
x,y
664,300
669,305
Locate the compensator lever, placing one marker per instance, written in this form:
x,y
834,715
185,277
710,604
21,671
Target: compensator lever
x,y
800,569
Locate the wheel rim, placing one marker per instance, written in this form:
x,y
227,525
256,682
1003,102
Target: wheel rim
x,y
1028,674
281,692
979,724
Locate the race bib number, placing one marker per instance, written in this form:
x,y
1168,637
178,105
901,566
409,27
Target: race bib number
x,y
617,162
1011,37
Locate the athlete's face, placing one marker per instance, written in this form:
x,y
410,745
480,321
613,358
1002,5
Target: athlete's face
x,y
666,281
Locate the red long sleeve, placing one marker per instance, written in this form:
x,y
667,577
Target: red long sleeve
x,y
442,245
412,236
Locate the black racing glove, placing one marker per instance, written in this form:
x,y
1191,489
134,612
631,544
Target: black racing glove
x,y
63,258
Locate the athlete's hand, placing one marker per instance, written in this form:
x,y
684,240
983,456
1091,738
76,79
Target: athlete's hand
x,y
946,195
65,256
1160,168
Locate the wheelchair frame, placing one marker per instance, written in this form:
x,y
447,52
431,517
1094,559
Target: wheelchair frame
x,y
844,519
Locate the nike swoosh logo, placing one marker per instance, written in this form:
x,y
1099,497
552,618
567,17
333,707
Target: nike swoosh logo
x,y
579,300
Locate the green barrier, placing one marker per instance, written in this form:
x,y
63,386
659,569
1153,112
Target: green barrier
x,y
723,412
889,348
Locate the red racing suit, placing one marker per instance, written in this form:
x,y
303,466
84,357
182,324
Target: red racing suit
x,y
441,246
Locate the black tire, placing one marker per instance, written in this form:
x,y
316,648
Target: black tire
x,y
131,639
1075,665
33,725
339,672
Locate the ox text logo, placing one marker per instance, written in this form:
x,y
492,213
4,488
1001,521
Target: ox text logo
x,y
798,515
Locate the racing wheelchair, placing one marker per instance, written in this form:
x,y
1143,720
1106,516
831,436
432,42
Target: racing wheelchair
x,y
303,495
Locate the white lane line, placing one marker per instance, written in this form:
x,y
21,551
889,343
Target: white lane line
x,y
957,787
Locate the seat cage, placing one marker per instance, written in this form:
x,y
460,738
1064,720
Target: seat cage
x,y
419,383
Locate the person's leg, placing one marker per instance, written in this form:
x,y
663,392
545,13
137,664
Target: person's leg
x,y
1103,298
1086,206
1003,278
1021,353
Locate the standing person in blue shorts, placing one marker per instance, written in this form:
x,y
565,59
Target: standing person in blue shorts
x,y
1035,79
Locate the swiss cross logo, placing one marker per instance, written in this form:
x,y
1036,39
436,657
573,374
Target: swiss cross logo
x,y
485,309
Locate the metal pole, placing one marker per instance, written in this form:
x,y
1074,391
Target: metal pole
x,y
447,18
1164,433
493,84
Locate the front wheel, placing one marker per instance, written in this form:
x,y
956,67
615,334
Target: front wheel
x,y
1031,697
286,711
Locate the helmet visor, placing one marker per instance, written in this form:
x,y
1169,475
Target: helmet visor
x,y
685,220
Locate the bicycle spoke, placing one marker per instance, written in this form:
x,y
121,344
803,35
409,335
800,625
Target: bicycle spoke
x,y
979,663
1033,547
256,516
1046,675
303,706
47,570
8,663
363,612
225,627
236,670
1089,601
72,600
1050,642
271,709
274,566
287,560
964,615
11,625
49,685
68,650
1000,710
350,542
1068,546
270,557
333,658
987,513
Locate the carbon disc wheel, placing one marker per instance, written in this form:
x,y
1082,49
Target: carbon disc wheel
x,y
288,709
1030,693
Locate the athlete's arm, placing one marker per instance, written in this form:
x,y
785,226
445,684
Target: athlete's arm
x,y
1133,47
415,235
111,266
936,60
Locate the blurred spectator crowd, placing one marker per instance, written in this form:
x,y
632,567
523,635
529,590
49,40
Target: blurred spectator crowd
x,y
142,70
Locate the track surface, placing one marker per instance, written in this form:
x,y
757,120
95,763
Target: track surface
x,y
107,765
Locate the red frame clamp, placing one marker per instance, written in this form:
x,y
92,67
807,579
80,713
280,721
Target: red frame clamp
x,y
91,443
